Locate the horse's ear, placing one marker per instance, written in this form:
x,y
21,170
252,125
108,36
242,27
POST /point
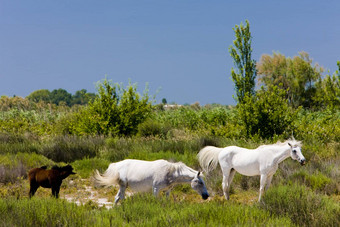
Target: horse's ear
x,y
198,174
290,145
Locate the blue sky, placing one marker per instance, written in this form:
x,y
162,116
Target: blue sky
x,y
180,48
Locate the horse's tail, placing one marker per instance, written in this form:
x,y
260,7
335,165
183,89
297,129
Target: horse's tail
x,y
108,178
208,158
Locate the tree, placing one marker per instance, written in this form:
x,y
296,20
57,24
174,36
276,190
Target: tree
x,y
296,75
61,95
82,97
328,91
40,95
245,73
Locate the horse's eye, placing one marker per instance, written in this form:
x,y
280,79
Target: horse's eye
x,y
294,151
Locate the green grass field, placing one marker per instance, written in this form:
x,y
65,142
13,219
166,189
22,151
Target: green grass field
x,y
299,196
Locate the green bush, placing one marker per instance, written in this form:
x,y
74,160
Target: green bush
x,y
267,113
317,181
302,206
153,128
87,166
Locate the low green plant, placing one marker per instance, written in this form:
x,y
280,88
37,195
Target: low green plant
x,y
301,205
85,167
71,148
139,210
16,166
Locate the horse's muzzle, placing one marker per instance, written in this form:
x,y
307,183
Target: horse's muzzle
x,y
205,196
303,162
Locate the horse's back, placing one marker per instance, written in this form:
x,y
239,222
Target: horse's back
x,y
133,168
140,174
243,160
40,176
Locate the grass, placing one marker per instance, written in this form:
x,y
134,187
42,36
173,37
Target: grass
x,y
284,204
140,210
302,206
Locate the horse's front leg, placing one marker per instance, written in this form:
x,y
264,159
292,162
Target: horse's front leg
x,y
33,189
269,181
263,181
155,191
55,191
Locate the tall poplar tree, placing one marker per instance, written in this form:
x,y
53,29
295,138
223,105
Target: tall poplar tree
x,y
245,72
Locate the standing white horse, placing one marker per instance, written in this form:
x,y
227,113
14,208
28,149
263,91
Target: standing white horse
x,y
144,176
262,161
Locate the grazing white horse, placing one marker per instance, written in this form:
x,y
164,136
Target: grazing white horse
x,y
144,176
262,161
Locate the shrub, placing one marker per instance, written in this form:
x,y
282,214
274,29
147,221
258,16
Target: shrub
x,y
118,111
153,128
86,166
267,114
304,207
316,181
71,148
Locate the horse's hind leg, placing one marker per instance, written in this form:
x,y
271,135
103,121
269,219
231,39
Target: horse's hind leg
x,y
121,193
228,176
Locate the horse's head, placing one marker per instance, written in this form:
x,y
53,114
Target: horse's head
x,y
296,153
198,185
64,171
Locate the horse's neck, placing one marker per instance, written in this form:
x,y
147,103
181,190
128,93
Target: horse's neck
x,y
281,154
184,175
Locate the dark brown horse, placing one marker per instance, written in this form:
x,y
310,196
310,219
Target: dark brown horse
x,y
51,178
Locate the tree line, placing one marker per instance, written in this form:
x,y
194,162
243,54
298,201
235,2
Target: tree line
x,y
61,97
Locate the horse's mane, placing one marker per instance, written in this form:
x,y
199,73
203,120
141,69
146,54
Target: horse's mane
x,y
179,167
291,141
64,168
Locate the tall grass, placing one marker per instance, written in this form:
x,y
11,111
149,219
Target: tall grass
x,y
302,206
140,210
14,166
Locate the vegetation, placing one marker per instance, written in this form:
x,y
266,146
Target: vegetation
x,y
297,75
245,73
137,211
91,131
61,97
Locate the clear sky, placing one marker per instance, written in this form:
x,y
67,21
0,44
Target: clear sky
x,y
178,47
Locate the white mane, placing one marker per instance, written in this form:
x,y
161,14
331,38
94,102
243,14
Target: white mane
x,y
293,142
179,167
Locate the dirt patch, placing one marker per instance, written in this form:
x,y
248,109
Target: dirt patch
x,y
93,196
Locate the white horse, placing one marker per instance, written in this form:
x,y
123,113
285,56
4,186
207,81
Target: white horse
x,y
144,176
262,161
